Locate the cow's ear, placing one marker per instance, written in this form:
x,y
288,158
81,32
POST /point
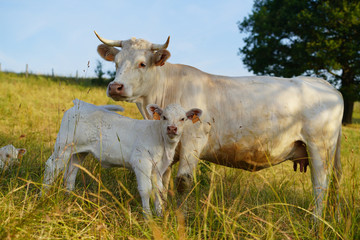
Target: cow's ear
x,y
161,56
154,111
21,152
106,52
194,114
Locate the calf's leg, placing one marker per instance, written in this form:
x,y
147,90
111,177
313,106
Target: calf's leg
x,y
159,194
165,182
143,177
54,165
71,170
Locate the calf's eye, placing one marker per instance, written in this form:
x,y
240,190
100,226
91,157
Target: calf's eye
x,y
164,118
142,65
182,119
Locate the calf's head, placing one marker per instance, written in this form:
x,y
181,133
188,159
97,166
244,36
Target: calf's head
x,y
136,64
173,119
10,155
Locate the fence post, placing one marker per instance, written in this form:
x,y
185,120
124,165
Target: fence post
x,y
52,72
27,71
0,67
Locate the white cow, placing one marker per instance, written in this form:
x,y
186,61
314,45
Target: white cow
x,y
9,155
147,147
249,122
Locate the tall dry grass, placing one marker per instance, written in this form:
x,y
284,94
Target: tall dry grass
x,y
225,203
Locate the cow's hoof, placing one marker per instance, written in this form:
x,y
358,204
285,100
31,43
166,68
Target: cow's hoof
x,y
184,183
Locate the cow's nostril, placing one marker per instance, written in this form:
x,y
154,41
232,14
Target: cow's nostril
x,y
119,88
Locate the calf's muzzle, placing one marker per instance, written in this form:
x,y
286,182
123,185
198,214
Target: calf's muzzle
x,y
172,130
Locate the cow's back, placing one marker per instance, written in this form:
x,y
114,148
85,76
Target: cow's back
x,y
257,120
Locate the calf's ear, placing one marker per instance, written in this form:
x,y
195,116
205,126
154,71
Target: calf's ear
x,y
154,111
194,114
106,52
161,56
21,152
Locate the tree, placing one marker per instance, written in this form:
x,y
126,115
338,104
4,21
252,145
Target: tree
x,y
100,80
306,37
111,74
99,71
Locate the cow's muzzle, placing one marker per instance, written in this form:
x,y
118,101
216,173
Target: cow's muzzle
x,y
116,89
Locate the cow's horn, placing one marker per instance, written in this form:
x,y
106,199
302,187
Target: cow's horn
x,y
161,46
113,43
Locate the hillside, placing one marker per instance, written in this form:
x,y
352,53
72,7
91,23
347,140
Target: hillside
x,y
225,203
33,107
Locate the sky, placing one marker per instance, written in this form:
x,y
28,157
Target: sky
x,y
59,35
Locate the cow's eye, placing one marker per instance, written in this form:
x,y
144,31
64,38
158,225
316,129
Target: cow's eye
x,y
164,118
182,119
7,155
142,65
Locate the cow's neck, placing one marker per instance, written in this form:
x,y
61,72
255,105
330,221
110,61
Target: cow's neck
x,y
165,88
156,93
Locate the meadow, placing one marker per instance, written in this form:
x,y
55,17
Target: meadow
x,y
225,203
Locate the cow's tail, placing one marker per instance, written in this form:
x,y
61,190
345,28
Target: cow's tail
x,y
113,108
337,162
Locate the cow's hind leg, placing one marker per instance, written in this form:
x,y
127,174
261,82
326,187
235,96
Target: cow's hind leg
x,y
319,177
321,164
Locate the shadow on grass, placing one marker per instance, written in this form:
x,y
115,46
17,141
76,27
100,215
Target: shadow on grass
x,y
356,120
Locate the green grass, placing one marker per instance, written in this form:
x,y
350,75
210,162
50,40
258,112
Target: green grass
x,y
225,203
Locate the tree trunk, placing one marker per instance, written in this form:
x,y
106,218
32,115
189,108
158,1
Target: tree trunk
x,y
348,111
348,91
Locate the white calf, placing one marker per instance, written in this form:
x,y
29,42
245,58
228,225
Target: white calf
x,y
9,155
145,146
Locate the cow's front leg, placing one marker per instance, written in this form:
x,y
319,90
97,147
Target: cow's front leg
x,y
184,178
185,175
192,144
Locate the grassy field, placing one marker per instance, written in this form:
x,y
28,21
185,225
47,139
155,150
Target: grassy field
x,y
225,203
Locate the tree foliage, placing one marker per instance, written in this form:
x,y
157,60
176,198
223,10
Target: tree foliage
x,y
99,70
312,37
100,80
